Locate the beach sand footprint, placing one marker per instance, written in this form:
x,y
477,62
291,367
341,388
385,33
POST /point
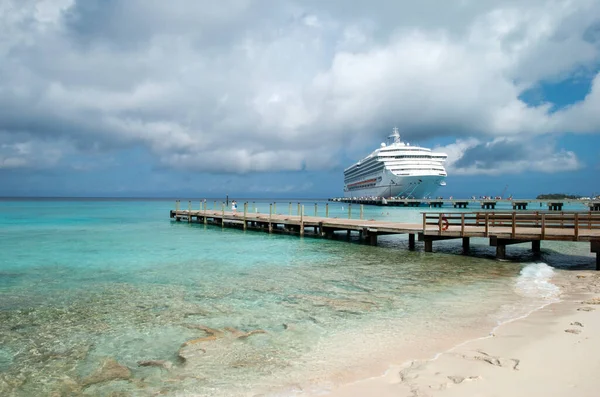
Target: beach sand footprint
x,y
457,380
586,309
421,378
512,363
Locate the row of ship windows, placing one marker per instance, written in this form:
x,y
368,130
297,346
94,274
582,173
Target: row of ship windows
x,y
417,169
406,174
404,148
416,157
365,171
361,186
361,175
353,180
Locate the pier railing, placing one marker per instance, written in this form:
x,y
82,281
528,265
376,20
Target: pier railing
x,y
451,223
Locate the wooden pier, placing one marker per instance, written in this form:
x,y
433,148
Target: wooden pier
x,y
501,228
487,203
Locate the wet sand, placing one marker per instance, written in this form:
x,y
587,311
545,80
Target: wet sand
x,y
551,352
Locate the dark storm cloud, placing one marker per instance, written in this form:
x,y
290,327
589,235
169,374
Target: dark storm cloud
x,y
489,155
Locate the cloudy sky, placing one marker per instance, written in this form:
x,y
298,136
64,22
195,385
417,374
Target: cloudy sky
x,y
275,97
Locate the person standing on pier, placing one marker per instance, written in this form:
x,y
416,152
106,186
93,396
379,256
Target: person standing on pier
x,y
234,207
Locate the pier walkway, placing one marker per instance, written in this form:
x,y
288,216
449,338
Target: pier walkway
x,y
501,228
484,203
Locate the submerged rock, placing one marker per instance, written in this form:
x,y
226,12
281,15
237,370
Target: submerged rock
x,y
243,335
190,352
68,387
217,333
109,370
156,363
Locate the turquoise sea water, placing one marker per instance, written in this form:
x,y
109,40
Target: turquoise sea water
x,y
84,281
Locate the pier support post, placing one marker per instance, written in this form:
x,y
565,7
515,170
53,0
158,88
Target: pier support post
x,y
428,245
372,238
536,246
327,210
189,211
500,251
348,234
361,211
466,244
595,247
315,209
245,212
411,241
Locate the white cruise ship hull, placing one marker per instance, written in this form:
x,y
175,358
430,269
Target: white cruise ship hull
x,y
390,185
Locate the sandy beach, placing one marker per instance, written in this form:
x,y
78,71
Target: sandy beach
x,y
551,352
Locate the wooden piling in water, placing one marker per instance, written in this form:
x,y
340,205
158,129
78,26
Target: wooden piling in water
x,y
302,221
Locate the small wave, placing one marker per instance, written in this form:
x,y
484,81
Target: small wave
x,y
534,282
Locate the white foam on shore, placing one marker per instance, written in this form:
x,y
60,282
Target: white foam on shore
x,y
534,282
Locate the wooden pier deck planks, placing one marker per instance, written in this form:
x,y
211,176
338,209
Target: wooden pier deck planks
x,y
502,229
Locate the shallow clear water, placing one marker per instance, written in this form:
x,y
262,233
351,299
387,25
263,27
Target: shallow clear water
x,y
86,280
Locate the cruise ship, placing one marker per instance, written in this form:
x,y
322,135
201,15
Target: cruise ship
x,y
396,169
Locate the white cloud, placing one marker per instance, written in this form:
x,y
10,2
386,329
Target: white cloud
x,y
238,86
21,153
